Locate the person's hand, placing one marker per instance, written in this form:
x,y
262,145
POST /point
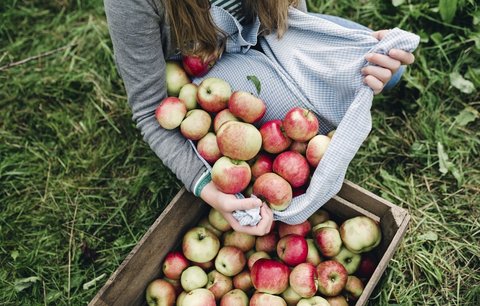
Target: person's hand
x,y
226,204
377,76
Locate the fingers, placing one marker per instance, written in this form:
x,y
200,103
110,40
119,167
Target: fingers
x,y
382,74
242,204
404,57
380,34
384,61
375,84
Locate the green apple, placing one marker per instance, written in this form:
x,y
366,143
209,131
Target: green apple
x,y
360,234
175,78
349,260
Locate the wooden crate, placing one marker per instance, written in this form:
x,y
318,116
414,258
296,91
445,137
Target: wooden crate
x,y
126,286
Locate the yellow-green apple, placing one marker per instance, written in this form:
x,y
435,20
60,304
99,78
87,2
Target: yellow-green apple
x,y
353,288
199,297
301,229
360,234
303,279
206,266
243,241
264,299
299,147
174,264
243,281
213,94
318,217
197,66
338,300
231,176
196,124
349,260
270,276
317,146
239,140
177,285
300,124
246,106
160,293
292,249
291,297
219,284
188,94
206,224
273,189
230,261
222,117
313,301
332,277
192,278
200,245
367,266
180,298
328,223
218,221
235,297
328,241
170,113
256,256
267,243
313,255
207,147
262,164
274,139
331,133
293,167
175,77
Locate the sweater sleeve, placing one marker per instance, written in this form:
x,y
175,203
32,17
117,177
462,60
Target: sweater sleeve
x,y
135,28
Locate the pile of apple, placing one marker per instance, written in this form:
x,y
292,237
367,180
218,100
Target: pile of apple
x,y
312,263
273,162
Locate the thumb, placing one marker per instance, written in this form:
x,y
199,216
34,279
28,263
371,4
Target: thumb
x,y
245,204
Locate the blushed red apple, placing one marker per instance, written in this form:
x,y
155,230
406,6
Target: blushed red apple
x,y
196,124
188,95
317,146
174,264
299,147
301,229
267,243
170,113
239,140
213,94
303,279
328,241
207,148
160,293
264,299
197,66
222,117
231,176
219,284
293,167
243,281
263,164
274,139
275,190
243,241
300,124
246,106
230,261
256,256
292,249
199,297
332,277
235,297
270,276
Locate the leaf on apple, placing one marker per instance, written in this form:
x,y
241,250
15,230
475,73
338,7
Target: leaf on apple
x,y
255,82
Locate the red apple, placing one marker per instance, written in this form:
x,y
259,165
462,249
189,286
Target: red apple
x,y
160,293
170,113
243,281
192,278
175,78
328,241
196,66
256,256
235,297
213,94
301,229
360,234
299,147
267,243
275,190
207,148
349,260
196,124
293,167
292,249
219,284
200,245
199,297
263,164
367,266
354,288
188,95
318,217
264,299
269,276
303,280
317,146
338,300
313,301
230,261
174,264
222,117
291,297
332,277
231,176
246,106
243,241
300,124
274,139
313,255
239,140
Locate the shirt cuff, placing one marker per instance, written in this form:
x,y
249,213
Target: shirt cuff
x,y
201,183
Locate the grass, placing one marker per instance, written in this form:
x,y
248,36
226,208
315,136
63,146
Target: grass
x,y
79,187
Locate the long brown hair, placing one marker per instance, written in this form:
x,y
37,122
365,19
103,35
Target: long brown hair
x,y
194,32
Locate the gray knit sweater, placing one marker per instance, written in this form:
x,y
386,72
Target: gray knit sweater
x,y
141,43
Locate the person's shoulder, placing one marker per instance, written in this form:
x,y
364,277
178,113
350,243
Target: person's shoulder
x,y
122,5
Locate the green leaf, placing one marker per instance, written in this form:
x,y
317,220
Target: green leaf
x,y
469,114
256,82
398,2
457,81
447,8
24,283
442,158
14,254
428,236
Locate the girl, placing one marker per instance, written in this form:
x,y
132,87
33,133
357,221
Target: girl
x,y
147,32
